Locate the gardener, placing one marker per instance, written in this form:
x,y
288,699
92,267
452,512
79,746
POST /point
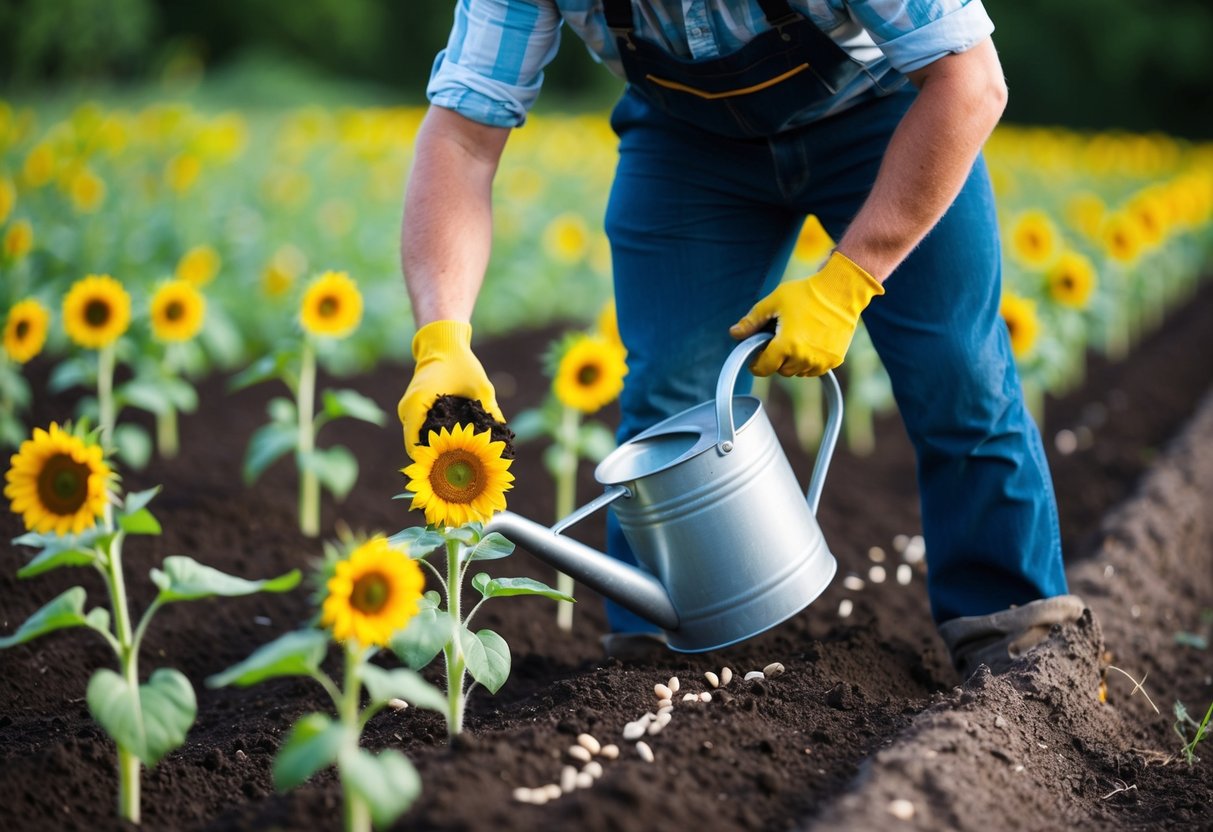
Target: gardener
x,y
739,119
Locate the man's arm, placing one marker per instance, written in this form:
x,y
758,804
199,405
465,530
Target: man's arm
x,y
448,227
961,97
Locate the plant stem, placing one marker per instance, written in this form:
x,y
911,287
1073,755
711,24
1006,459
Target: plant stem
x,y
128,763
566,499
105,392
452,652
357,813
309,485
166,433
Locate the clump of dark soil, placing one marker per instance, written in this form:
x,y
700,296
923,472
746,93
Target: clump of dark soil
x,y
448,411
867,720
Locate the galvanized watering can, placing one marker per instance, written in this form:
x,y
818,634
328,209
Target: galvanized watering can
x,y
709,504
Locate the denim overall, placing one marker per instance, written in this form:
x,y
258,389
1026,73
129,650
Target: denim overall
x,y
708,199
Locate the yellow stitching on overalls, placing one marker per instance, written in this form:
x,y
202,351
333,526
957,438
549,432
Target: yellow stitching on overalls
x,y
674,85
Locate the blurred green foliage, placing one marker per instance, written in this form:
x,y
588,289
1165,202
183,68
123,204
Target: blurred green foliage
x,y
1094,64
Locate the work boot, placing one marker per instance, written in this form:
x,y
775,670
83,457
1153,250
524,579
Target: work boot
x,y
998,639
634,647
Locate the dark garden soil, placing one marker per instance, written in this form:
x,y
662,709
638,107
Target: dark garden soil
x,y
866,729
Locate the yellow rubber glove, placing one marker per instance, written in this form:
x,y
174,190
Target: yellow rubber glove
x,y
445,367
816,316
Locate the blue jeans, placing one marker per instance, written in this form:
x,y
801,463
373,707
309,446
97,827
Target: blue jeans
x,y
702,226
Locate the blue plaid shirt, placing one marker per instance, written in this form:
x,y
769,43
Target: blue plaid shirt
x,y
492,67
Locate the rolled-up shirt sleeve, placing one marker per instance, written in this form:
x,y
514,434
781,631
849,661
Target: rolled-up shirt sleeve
x,y
492,67
914,33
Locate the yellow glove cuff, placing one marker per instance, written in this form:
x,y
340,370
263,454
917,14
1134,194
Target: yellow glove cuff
x,y
441,337
846,284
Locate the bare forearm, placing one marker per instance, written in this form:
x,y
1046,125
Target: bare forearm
x,y
929,157
447,229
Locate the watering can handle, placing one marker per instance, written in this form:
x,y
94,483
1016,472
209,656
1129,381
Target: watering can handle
x,y
740,358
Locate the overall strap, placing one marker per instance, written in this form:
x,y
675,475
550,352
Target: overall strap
x,y
619,14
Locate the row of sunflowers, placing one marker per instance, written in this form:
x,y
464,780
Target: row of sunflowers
x,y
188,240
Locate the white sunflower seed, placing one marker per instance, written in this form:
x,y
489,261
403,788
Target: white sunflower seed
x,y
905,574
662,691
568,779
773,669
667,709
523,795
635,730
397,704
726,676
662,704
712,678
755,674
593,768
877,574
552,791
845,607
901,808
577,752
705,697
689,697
646,753
589,743
673,684
877,555
853,583
583,780
611,752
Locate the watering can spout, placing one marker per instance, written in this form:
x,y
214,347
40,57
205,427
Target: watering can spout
x,y
624,584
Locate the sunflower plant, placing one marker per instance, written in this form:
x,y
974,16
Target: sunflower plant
x,y
331,309
587,370
459,480
371,590
25,330
64,489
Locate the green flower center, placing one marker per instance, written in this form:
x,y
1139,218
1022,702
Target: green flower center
x,y
588,374
457,476
371,593
63,485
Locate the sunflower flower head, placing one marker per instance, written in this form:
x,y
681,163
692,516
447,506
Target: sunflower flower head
x,y
25,330
1122,238
18,240
1019,314
589,374
8,198
371,594
87,190
57,482
607,325
332,306
566,239
460,477
1071,280
1034,240
199,265
96,311
178,311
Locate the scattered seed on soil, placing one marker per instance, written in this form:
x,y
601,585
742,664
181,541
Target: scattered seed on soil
x,y
663,691
593,768
905,574
579,753
755,674
552,791
900,542
1065,441
539,796
583,780
568,779
659,723
646,753
901,808
726,676
522,794
611,752
397,704
712,678
664,703
705,697
240,755
262,620
589,743
877,555
689,697
773,669
845,607
634,730
673,684
667,709
853,583
877,574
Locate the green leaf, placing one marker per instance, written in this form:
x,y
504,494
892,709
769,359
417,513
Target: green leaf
x,y
283,410
263,369
185,579
488,657
267,445
138,499
54,557
140,522
61,612
419,540
144,394
595,441
426,634
298,653
336,468
402,683
338,403
466,534
491,547
148,721
503,587
134,445
531,424
480,580
72,372
180,393
222,337
388,783
553,460
312,744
